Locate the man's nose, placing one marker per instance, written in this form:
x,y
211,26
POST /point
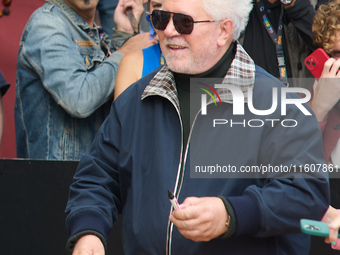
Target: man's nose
x,y
170,29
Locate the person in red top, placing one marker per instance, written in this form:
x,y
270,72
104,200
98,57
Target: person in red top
x,y
326,91
325,100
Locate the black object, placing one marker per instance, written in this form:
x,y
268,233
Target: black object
x,y
33,197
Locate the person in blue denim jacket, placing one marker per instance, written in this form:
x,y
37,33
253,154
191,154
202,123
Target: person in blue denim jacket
x,y
66,74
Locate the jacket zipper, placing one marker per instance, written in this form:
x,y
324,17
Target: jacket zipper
x,y
179,180
179,170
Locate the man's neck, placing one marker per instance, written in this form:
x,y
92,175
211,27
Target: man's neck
x,y
219,70
87,15
272,1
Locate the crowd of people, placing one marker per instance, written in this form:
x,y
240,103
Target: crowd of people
x,y
121,102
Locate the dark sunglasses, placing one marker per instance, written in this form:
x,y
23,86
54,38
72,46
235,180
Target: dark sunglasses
x,y
184,24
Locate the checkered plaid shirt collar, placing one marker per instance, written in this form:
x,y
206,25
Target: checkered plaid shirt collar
x,y
241,73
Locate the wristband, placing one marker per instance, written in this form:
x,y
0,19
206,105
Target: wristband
x,y
231,221
337,245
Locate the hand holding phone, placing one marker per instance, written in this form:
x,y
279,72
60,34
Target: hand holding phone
x,y
315,62
133,20
315,228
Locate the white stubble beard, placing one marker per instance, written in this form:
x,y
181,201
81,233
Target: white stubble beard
x,y
196,62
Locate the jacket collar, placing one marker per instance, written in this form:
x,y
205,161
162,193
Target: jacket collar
x,y
241,73
70,13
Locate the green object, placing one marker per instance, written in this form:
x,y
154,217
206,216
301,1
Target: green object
x,y
315,228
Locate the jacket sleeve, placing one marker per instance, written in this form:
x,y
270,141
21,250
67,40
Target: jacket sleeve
x,y
119,38
94,198
277,207
301,15
75,84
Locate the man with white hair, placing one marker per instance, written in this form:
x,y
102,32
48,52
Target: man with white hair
x,y
142,151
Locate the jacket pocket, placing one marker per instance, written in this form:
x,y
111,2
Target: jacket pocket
x,y
91,57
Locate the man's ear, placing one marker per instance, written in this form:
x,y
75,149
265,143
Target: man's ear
x,y
227,27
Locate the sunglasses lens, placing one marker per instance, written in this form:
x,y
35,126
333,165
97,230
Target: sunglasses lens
x,y
184,24
160,19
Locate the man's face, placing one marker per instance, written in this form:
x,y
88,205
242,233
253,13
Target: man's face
x,y
193,53
82,5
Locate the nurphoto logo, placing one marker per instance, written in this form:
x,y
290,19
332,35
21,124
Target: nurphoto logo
x,y
239,102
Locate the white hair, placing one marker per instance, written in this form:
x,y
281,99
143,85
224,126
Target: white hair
x,y
236,10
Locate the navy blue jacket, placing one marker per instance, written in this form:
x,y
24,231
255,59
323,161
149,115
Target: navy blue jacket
x,y
137,156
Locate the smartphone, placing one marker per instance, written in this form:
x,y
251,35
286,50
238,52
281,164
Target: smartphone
x,y
315,228
132,19
315,62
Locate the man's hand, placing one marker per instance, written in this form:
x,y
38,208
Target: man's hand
x,y
121,18
89,245
137,42
327,91
201,219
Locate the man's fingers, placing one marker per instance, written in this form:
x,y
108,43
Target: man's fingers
x,y
188,224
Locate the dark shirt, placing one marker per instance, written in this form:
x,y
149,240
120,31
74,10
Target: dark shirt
x,y
259,44
183,86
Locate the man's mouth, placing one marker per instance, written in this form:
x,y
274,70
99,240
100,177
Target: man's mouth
x,y
176,46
